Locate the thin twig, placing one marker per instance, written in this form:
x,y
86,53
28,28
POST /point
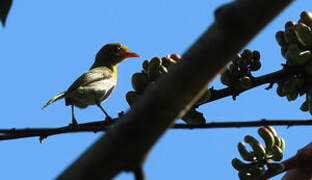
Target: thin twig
x,y
257,81
7,134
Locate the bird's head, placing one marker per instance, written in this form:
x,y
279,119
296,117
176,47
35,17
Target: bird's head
x,y
113,53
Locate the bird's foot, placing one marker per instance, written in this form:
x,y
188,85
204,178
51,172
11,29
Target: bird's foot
x,y
109,119
74,122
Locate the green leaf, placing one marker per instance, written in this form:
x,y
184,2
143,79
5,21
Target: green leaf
x,y
5,6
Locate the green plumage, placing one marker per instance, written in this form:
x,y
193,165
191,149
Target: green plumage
x,y
95,85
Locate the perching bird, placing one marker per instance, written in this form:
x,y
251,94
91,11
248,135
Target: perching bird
x,y
95,85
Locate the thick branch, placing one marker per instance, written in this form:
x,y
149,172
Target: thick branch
x,y
127,144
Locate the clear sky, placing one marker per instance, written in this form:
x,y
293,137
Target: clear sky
x,y
46,45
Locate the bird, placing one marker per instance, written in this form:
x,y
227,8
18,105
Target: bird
x,y
95,85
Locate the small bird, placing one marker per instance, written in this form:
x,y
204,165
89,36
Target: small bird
x,y
95,85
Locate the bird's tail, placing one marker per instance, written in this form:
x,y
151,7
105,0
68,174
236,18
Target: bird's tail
x,y
55,98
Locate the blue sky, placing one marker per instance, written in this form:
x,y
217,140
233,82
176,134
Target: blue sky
x,y
46,45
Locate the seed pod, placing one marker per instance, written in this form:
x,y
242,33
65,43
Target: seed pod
x,y
239,165
226,78
290,36
132,97
145,66
284,51
257,147
175,57
292,95
268,138
245,175
256,55
167,61
277,153
247,54
283,144
306,17
246,155
280,37
304,35
154,68
297,57
290,24
272,130
281,90
255,65
163,69
139,82
246,82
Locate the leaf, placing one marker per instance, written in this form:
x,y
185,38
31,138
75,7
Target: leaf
x,y
194,117
5,6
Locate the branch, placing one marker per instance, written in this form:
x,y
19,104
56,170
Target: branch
x,y
128,143
263,122
42,133
271,78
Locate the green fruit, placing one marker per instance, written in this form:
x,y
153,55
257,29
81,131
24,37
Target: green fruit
x,y
255,65
145,65
167,62
277,153
175,57
290,24
163,69
296,56
272,130
239,165
246,155
139,82
247,54
292,95
226,78
290,36
246,82
132,97
283,144
256,55
304,35
257,147
290,86
306,17
281,91
154,69
284,51
279,36
268,138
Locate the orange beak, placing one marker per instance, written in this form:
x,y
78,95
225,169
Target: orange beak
x,y
129,54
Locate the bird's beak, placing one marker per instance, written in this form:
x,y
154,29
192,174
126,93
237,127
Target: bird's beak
x,y
129,54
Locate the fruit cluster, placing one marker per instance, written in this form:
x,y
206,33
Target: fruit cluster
x,y
152,70
296,48
260,156
238,74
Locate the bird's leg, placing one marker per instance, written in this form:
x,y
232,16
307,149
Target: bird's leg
x,y
107,116
74,121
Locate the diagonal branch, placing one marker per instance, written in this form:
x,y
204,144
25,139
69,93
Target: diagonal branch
x,y
126,146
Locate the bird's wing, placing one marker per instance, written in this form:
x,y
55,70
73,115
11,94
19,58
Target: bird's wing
x,y
91,76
